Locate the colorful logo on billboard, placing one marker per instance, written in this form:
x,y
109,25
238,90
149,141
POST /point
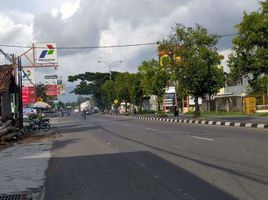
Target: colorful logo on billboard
x,y
45,53
28,77
48,51
27,73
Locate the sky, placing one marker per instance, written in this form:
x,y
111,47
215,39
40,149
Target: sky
x,y
72,23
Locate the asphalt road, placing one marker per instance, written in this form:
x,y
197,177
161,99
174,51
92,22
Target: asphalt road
x,y
114,158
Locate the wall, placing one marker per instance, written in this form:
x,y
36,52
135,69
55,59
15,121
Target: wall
x,y
224,104
5,103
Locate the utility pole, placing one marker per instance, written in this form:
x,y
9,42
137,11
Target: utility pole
x,y
20,108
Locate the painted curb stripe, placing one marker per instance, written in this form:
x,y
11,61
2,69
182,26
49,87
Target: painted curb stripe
x,y
219,123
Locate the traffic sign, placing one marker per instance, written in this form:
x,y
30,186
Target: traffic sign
x,y
115,101
39,99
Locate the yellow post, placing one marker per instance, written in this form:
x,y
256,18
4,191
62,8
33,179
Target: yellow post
x,y
250,104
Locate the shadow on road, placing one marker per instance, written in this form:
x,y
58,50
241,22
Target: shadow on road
x,y
121,176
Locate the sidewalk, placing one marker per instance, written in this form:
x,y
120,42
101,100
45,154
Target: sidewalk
x,y
23,165
23,168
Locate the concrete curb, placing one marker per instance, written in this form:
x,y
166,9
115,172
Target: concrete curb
x,y
208,122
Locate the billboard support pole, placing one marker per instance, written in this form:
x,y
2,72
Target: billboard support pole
x,y
33,54
20,106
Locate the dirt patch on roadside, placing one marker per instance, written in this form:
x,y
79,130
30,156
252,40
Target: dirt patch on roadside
x,y
29,138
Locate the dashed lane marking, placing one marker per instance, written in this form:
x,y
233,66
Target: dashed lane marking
x,y
127,124
142,164
151,129
201,138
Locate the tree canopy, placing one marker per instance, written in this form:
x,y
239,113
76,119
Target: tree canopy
x,y
90,84
250,57
154,79
198,69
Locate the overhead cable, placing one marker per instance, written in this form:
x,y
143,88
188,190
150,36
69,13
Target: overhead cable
x,y
100,47
84,47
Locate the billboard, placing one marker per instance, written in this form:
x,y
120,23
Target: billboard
x,y
28,95
51,80
45,53
28,77
61,89
168,54
52,90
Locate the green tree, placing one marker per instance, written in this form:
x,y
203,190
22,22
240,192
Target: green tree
x,y
90,84
154,79
108,93
61,105
123,87
260,86
41,91
197,71
136,92
250,57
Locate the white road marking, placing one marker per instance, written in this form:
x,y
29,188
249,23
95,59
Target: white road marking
x,y
202,138
127,124
151,129
142,164
108,143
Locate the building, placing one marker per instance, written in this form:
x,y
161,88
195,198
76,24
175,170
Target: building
x,y
229,98
7,90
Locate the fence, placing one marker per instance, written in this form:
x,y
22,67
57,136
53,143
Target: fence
x,y
248,104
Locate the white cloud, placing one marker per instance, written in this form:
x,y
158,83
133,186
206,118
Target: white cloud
x,y
112,22
16,28
5,24
224,62
69,8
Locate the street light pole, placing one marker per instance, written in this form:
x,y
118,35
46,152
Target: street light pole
x,y
110,71
110,65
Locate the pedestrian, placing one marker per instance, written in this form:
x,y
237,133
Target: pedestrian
x,y
84,114
176,111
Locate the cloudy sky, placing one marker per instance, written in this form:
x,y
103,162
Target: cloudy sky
x,y
72,23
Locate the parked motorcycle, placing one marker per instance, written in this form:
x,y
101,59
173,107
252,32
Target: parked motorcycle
x,y
36,125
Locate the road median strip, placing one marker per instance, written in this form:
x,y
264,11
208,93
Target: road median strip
x,y
207,122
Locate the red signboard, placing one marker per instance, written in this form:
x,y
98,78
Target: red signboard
x,y
52,90
28,95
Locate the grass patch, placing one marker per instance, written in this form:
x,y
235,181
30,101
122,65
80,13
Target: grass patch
x,y
214,113
261,114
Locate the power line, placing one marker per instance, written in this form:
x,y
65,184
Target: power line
x,y
228,35
84,47
100,47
